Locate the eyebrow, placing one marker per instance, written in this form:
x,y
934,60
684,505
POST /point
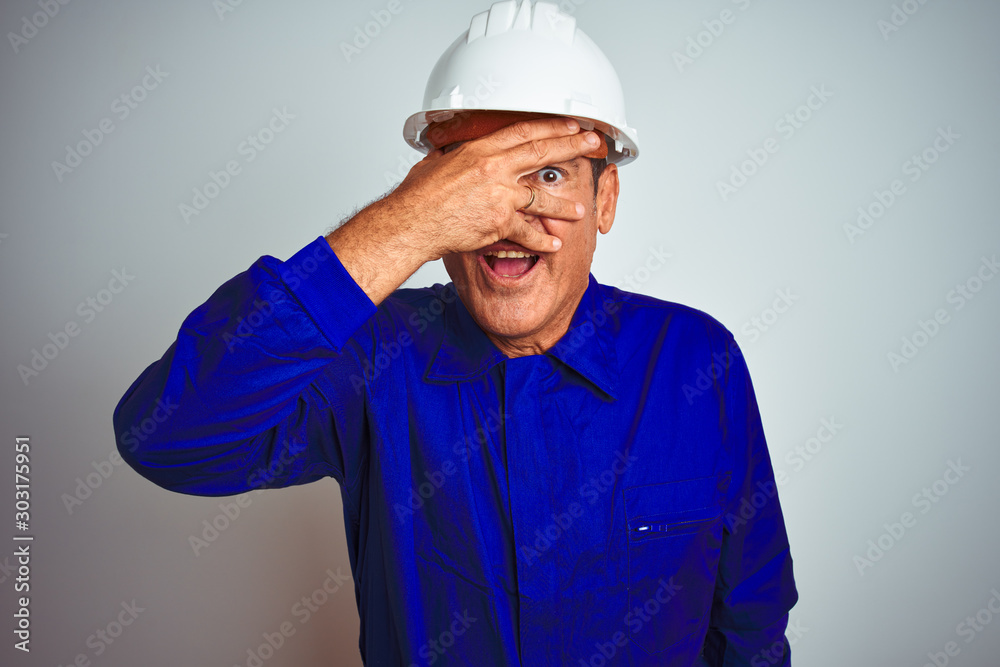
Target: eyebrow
x,y
573,166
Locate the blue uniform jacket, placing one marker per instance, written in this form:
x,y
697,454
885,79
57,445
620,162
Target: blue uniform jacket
x,y
608,502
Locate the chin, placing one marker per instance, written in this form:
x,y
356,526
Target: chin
x,y
502,307
507,316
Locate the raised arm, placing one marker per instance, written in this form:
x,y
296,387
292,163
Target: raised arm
x,y
264,384
259,371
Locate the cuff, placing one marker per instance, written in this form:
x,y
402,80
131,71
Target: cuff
x,y
327,292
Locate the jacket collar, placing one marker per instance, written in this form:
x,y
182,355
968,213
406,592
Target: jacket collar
x,y
588,346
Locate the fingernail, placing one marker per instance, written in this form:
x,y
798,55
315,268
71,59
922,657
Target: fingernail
x,y
572,125
556,243
580,209
592,139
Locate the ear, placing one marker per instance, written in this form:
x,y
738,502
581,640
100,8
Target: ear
x,y
607,198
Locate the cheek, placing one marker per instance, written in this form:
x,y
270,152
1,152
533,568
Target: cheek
x,y
453,265
565,190
568,188
579,239
462,265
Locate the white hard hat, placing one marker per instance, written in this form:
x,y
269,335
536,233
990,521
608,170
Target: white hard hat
x,y
530,58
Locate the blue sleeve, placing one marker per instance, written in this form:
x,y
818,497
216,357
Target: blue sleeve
x,y
755,587
263,387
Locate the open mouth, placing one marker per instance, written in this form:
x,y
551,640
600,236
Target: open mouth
x,y
510,263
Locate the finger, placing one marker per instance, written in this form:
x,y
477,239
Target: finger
x,y
528,158
532,239
526,131
549,206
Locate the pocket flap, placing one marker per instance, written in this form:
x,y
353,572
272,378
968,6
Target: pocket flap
x,y
674,540
672,506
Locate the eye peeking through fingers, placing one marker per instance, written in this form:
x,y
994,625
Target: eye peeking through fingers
x,y
550,176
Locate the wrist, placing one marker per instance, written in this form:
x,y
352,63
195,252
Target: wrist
x,y
376,253
399,228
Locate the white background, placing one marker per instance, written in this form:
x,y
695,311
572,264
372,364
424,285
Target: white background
x,y
784,229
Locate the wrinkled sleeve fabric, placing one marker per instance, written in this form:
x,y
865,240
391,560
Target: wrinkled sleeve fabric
x,y
755,586
263,386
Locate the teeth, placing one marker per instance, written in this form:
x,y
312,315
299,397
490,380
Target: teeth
x,y
509,253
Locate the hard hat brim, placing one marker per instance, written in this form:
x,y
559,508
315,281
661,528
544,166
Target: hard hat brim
x,y
621,150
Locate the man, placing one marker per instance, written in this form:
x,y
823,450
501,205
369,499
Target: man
x,y
536,469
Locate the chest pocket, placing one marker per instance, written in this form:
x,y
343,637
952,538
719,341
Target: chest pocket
x,y
674,541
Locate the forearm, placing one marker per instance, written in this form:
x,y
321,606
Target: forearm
x,y
379,248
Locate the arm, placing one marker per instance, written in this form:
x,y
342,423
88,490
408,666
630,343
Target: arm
x,y
261,369
755,587
220,408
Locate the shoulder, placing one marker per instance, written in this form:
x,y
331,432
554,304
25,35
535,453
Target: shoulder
x,y
694,351
417,309
645,313
407,299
